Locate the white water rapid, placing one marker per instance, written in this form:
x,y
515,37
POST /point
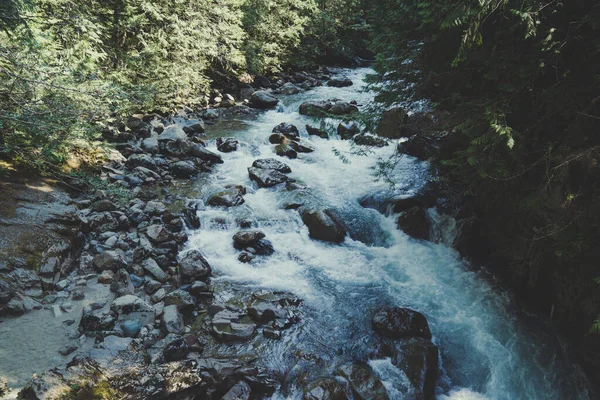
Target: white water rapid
x,y
489,349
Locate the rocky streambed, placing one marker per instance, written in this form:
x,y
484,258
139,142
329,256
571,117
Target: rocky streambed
x,y
246,251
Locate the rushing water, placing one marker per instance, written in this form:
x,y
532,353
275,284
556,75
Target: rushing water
x,y
489,349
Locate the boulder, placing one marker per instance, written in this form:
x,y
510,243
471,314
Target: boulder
x,y
325,389
339,82
130,304
343,108
109,260
150,145
96,320
176,350
288,130
204,154
418,358
227,145
152,267
315,108
172,321
324,225
183,169
194,266
263,100
232,326
244,239
158,233
277,138
346,130
266,177
171,133
193,126
314,131
285,150
391,124
397,323
299,147
230,197
176,148
363,383
370,140
261,81
422,147
272,163
141,160
414,222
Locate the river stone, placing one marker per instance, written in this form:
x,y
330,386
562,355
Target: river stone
x,y
288,130
104,205
131,328
271,163
346,130
232,326
244,239
171,133
109,260
370,140
363,383
128,304
400,323
289,88
314,131
155,208
176,350
277,138
227,145
418,358
95,320
315,108
183,169
101,222
339,82
194,266
266,177
240,391
230,197
152,267
414,222
342,108
285,150
262,248
204,154
182,299
391,124
141,160
150,145
193,126
176,148
325,389
263,100
300,148
158,233
324,225
172,321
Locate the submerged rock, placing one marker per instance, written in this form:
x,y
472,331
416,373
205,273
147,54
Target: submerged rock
x,y
324,225
230,197
285,150
227,145
339,82
346,130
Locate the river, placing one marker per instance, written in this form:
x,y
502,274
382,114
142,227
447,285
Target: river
x,y
489,348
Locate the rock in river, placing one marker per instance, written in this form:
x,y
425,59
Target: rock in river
x,y
263,99
271,163
194,266
230,197
400,322
266,177
324,225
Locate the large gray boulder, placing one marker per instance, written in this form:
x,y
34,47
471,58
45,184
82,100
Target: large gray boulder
x,y
272,163
266,177
172,321
324,225
414,222
109,260
172,133
339,82
204,154
263,100
230,197
194,266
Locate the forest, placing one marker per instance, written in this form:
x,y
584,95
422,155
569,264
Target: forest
x,y
512,133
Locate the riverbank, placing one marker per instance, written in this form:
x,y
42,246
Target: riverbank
x,y
237,278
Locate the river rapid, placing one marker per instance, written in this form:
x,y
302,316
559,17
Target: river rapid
x,y
489,348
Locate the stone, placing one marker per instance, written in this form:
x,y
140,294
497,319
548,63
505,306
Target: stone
x,y
314,131
176,148
231,326
158,233
150,145
246,257
419,359
346,130
129,304
103,205
339,82
363,383
324,225
151,267
230,197
67,349
131,328
239,391
266,177
343,108
155,208
183,169
414,222
285,150
370,140
96,319
300,147
400,323
141,160
194,266
109,260
199,289
391,124
193,126
78,294
262,248
182,299
171,133
288,130
172,321
244,239
227,145
277,138
176,350
14,307
210,113
272,163
204,154
325,389
289,88
263,100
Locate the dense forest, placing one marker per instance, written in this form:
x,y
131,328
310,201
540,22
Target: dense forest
x,y
514,88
